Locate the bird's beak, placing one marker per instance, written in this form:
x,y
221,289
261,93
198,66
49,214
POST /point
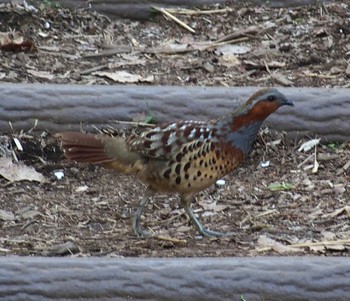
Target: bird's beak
x,y
288,102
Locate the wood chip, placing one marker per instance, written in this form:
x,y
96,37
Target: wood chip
x,y
66,248
281,79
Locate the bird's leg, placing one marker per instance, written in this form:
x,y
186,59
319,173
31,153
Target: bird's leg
x,y
186,203
136,222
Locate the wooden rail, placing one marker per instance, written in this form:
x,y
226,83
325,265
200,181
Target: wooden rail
x,y
251,279
318,111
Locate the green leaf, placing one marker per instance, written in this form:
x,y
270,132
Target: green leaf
x,y
150,116
333,146
279,186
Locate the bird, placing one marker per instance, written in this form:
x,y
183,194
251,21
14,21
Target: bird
x,y
183,157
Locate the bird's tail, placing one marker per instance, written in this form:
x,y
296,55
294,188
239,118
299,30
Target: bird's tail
x,y
110,152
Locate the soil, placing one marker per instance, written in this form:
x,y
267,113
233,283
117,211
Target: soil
x,y
281,201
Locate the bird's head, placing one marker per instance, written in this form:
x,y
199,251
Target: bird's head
x,y
266,101
259,106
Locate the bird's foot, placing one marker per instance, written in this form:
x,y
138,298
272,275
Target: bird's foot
x,y
139,232
210,233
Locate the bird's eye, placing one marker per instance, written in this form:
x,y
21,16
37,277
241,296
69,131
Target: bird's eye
x,y
271,98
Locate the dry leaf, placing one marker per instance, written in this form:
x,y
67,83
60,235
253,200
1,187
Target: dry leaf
x,y
345,209
232,49
6,215
229,60
281,79
171,48
336,248
19,172
306,146
265,241
318,249
41,74
124,77
213,206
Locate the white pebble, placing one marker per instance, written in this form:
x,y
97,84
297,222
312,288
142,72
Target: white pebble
x,y
59,174
82,188
265,164
220,182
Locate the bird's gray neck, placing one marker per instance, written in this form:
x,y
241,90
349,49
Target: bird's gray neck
x,y
243,137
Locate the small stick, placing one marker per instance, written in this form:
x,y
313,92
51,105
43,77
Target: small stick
x,y
321,243
165,12
134,123
183,11
173,240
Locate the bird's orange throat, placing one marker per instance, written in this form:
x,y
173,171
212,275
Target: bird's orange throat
x,y
257,113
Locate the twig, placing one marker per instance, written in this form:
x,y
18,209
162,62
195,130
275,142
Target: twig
x,y
183,11
217,43
324,76
239,33
306,160
93,69
268,212
173,240
108,52
134,123
165,12
321,243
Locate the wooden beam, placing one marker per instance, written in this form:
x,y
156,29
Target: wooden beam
x,y
251,279
318,111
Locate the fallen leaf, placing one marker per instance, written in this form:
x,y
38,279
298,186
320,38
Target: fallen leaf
x,y
318,249
82,188
279,186
213,206
41,74
19,172
327,235
306,146
6,215
266,242
281,79
232,49
124,77
336,248
171,48
345,209
229,60
27,213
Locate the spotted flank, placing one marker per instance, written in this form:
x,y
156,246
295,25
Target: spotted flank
x,y
198,164
165,140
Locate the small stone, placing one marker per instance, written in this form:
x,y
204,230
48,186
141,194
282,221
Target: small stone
x,y
265,164
6,215
59,174
220,183
208,67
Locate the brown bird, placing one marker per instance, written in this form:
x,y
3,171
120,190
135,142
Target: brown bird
x,y
183,157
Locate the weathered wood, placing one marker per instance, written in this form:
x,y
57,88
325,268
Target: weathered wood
x,y
264,278
318,111
142,9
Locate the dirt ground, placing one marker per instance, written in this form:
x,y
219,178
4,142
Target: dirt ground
x,y
298,203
